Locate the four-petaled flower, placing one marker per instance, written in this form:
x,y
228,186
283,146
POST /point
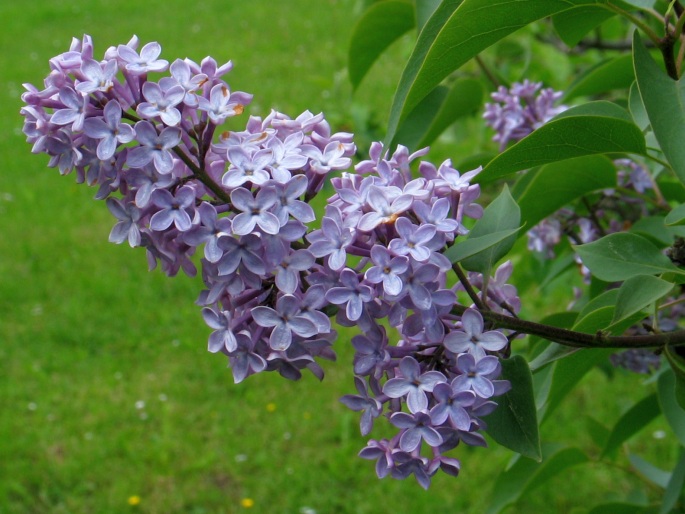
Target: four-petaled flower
x,y
413,384
286,320
109,130
155,147
472,339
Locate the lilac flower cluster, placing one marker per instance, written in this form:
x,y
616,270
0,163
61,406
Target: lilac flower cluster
x,y
239,199
520,109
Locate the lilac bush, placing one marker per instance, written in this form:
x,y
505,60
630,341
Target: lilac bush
x,y
235,202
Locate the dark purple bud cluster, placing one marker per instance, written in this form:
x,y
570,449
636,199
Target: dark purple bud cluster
x,y
177,185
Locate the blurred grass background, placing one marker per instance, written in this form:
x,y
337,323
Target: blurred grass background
x,y
109,401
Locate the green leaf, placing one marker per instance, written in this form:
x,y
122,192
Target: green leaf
x,y
642,4
664,101
648,470
637,417
457,32
574,24
380,25
676,216
571,134
560,183
623,508
502,214
424,10
525,475
676,358
674,489
437,111
615,73
674,413
638,293
637,109
474,245
597,431
622,255
514,423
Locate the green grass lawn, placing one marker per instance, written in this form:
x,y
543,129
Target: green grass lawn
x,y
109,401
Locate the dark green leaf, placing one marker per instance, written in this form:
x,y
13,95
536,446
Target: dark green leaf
x,y
514,423
441,107
380,25
474,245
597,431
622,255
501,215
638,293
615,73
457,32
674,413
569,135
676,358
664,101
676,216
525,474
674,489
559,183
574,24
623,508
637,417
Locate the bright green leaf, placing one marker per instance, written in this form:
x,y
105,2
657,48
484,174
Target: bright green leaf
x,y
574,24
664,101
676,216
424,10
622,255
569,135
638,293
615,73
380,25
630,423
648,470
556,185
457,32
674,413
514,423
438,110
474,245
502,214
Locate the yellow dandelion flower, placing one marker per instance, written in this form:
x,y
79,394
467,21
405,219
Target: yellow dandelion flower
x,y
270,407
133,500
247,502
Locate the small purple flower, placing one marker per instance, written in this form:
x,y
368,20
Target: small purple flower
x,y
413,384
370,407
417,427
109,130
477,375
371,352
452,404
174,209
75,109
246,250
387,204
209,232
438,215
155,148
289,267
332,240
244,360
350,292
99,78
246,167
412,240
145,62
286,320
387,269
161,103
254,211
127,227
330,159
219,106
222,337
472,339
288,201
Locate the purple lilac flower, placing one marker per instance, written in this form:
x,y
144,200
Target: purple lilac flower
x,y
386,204
173,209
222,337
476,375
452,404
370,407
209,231
254,211
472,339
145,62
109,130
413,384
98,77
127,227
412,240
161,103
246,167
350,293
416,427
75,108
219,106
155,147
286,320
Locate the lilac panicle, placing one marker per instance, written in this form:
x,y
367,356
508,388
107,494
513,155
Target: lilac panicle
x,y
238,204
